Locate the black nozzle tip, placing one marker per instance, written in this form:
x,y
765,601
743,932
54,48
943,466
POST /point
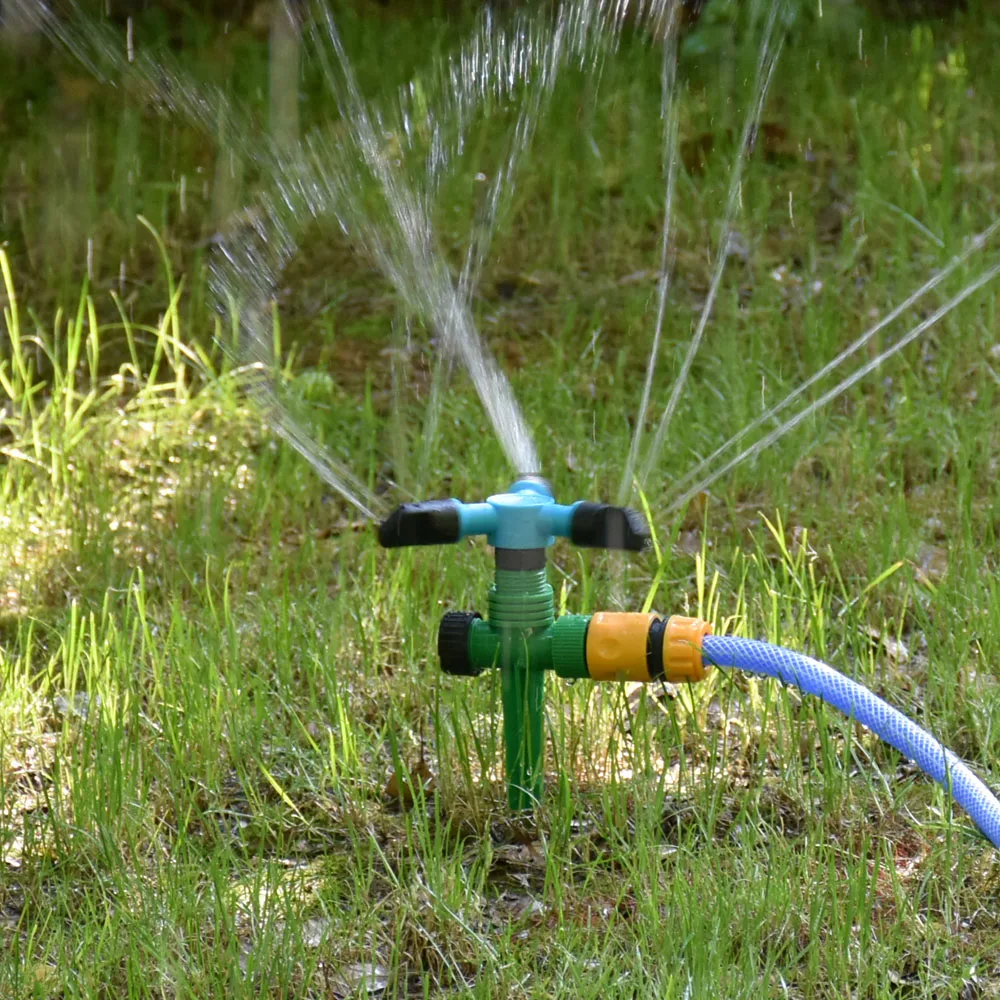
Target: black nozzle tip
x,y
432,522
603,526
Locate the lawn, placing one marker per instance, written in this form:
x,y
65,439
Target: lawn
x,y
229,763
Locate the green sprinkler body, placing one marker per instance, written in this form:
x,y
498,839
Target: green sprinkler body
x,y
521,634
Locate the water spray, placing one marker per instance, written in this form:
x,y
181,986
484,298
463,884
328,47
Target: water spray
x,y
522,637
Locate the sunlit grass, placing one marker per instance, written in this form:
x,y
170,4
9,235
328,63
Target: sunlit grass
x,y
209,673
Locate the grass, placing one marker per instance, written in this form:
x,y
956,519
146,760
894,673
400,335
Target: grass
x,y
209,673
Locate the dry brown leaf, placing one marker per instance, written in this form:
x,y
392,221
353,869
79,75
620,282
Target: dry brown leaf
x,y
895,649
530,855
402,783
689,542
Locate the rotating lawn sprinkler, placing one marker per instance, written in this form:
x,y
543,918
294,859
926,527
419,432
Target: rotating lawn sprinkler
x,y
521,634
523,637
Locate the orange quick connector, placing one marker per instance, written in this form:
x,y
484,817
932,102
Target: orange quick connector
x,y
681,649
616,646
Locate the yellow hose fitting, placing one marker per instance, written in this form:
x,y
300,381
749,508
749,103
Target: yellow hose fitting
x,y
682,662
616,646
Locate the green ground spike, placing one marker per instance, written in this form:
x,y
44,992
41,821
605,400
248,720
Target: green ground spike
x,y
522,611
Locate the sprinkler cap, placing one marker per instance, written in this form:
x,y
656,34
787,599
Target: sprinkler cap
x,y
602,526
453,643
533,481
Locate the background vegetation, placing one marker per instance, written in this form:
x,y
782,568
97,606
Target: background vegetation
x,y
228,763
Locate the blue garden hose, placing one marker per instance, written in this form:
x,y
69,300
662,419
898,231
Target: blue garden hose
x,y
857,702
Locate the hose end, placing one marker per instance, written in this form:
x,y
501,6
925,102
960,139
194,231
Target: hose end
x,y
682,649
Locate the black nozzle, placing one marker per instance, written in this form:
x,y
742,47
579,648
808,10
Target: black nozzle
x,y
453,643
432,522
601,526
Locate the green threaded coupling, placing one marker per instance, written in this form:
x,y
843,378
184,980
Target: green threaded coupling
x,y
521,599
569,645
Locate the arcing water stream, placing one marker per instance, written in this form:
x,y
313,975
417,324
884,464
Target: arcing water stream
x,y
378,170
841,387
682,491
769,52
669,114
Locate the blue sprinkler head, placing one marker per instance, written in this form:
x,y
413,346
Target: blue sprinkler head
x,y
525,517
